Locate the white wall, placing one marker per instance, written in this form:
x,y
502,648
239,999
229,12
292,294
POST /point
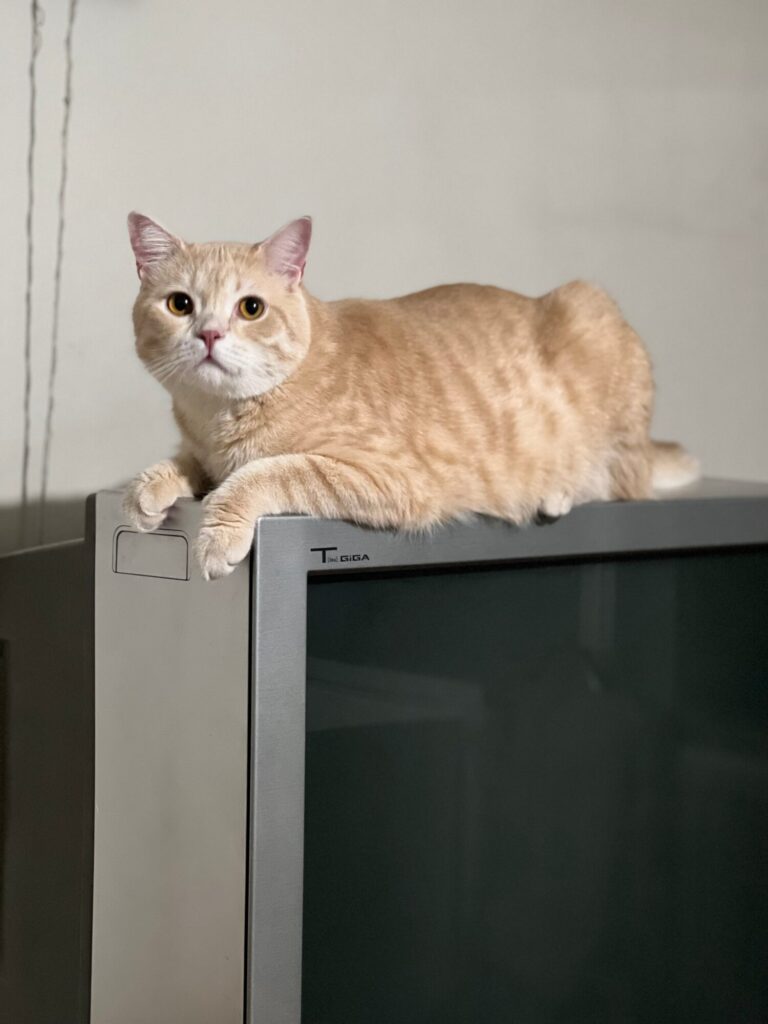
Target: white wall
x,y
520,144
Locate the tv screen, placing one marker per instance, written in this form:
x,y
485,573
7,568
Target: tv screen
x,y
538,793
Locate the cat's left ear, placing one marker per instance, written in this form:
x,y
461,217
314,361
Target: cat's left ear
x,y
150,242
286,251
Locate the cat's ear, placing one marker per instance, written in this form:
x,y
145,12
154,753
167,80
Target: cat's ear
x,y
285,252
150,242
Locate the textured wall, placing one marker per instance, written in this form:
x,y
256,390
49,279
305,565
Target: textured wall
x,y
518,144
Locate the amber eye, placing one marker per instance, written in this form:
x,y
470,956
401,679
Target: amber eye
x,y
251,308
180,304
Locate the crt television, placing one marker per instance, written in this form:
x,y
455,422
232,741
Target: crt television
x,y
485,776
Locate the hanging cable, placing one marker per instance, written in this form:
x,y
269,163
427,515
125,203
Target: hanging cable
x,y
64,167
36,14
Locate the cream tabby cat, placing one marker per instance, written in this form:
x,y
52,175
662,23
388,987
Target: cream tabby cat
x,y
402,413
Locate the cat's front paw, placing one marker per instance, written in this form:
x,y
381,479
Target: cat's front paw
x,y
223,542
149,497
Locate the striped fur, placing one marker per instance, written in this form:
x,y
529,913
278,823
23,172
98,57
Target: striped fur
x,y
405,413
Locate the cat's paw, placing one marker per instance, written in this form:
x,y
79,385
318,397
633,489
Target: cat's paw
x,y
556,505
148,499
221,545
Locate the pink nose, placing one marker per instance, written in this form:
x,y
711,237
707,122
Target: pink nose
x,y
210,338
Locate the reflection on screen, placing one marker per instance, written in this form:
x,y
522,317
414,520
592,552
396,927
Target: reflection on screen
x,y
539,794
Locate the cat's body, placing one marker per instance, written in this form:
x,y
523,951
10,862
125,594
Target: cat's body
x,y
406,412
464,398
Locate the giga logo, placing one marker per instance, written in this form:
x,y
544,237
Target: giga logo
x,y
327,556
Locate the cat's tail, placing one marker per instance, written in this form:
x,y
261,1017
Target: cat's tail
x,y
673,466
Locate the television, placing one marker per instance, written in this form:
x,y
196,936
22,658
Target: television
x,y
487,775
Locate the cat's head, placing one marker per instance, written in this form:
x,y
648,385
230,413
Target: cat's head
x,y
226,319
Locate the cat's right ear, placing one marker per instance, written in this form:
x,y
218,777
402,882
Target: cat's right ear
x,y
150,242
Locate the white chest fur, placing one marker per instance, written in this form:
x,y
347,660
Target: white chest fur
x,y
220,434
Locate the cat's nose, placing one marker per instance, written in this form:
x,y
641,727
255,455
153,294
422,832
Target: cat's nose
x,y
210,337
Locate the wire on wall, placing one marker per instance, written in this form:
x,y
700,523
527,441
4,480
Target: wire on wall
x,y
36,39
67,106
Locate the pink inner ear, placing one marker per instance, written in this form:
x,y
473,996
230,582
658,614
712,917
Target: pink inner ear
x,y
150,242
286,250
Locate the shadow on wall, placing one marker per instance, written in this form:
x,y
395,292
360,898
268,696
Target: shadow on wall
x,y
64,520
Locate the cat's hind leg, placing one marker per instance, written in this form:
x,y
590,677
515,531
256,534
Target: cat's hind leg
x,y
631,470
556,505
595,485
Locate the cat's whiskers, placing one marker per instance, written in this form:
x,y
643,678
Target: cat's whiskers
x,y
164,366
239,358
162,373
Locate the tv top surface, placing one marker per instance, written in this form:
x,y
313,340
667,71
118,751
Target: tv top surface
x,y
711,513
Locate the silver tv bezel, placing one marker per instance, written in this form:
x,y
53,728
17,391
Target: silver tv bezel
x,y
287,550
232,655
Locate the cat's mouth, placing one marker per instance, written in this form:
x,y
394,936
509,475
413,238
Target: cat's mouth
x,y
213,361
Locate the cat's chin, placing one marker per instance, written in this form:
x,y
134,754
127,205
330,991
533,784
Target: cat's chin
x,y
209,369
215,382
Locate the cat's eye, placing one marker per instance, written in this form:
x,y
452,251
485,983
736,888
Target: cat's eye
x,y
251,308
180,304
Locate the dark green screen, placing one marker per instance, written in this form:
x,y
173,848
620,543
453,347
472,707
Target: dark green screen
x,y
539,794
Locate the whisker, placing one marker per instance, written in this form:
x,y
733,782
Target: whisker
x,y
164,367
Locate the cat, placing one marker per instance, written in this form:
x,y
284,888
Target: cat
x,y
405,413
